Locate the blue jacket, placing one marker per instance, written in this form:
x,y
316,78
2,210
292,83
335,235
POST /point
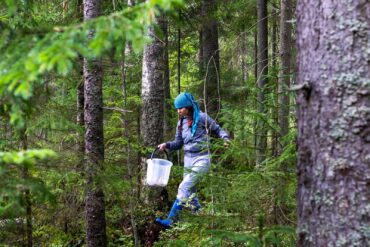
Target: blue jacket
x,y
197,143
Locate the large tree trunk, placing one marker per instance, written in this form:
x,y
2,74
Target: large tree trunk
x,y
210,58
262,71
333,123
94,141
152,117
285,71
152,91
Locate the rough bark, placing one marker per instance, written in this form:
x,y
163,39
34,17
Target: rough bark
x,y
210,58
285,71
333,123
262,72
94,141
152,91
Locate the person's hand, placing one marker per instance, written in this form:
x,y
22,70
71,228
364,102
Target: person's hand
x,y
162,146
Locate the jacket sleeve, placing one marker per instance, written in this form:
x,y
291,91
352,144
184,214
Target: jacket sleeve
x,y
178,142
216,129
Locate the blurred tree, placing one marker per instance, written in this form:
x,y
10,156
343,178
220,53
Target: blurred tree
x,y
154,75
210,59
285,70
262,78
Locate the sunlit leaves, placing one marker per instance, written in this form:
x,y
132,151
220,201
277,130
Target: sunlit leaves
x,y
28,157
28,57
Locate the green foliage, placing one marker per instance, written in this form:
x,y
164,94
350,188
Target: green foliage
x,y
40,68
17,175
57,49
243,204
26,158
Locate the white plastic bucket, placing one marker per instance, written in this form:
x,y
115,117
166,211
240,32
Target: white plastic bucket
x,y
158,172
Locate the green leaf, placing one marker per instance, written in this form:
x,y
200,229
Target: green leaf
x,y
24,90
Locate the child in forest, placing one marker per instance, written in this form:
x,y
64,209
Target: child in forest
x,y
191,133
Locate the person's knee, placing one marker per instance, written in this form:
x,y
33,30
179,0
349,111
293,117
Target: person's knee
x,y
184,191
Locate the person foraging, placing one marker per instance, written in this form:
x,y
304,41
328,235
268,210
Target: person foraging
x,y
191,134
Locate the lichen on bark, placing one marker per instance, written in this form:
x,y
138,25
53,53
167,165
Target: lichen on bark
x,y
334,123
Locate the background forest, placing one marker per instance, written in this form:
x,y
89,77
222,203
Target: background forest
x,y
62,161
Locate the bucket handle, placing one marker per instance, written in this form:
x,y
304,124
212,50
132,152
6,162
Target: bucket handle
x,y
151,157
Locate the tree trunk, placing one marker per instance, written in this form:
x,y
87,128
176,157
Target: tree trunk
x,y
333,123
152,91
94,141
285,71
210,58
262,72
151,125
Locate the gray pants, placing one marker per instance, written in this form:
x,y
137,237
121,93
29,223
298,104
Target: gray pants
x,y
195,166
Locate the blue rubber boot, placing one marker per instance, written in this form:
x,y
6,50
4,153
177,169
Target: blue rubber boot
x,y
195,205
172,216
